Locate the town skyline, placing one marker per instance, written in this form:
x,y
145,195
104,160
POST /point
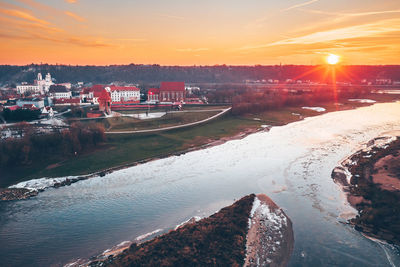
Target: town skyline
x,y
185,33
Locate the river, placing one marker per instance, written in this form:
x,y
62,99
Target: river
x,y
292,164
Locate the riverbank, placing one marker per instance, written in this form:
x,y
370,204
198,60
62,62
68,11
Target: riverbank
x,y
371,180
253,231
123,151
31,188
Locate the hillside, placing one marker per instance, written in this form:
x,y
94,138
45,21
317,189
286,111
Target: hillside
x,y
191,74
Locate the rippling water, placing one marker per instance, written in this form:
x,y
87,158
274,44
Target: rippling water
x,y
292,164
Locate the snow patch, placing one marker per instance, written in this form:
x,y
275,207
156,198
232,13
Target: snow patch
x,y
141,237
317,109
194,218
42,183
54,122
369,101
147,116
266,233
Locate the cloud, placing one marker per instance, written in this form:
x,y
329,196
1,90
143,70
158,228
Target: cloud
x,y
191,49
22,15
355,14
87,43
14,25
34,30
132,39
39,6
369,30
74,16
171,17
71,1
300,5
363,30
51,11
13,36
65,40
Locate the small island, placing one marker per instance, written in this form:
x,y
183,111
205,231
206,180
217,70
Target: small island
x,y
373,188
253,231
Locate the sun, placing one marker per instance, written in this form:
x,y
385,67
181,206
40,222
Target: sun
x,y
332,59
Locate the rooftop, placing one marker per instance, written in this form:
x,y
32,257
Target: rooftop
x,y
172,86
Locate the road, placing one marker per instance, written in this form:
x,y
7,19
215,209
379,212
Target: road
x,y
174,127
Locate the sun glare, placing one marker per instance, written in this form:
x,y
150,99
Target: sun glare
x,y
332,59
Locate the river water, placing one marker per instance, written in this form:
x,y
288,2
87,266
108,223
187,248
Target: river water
x,y
292,164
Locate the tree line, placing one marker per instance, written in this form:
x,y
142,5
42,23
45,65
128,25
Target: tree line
x,y
138,73
251,101
33,148
20,114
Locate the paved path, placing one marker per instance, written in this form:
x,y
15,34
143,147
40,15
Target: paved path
x,y
174,127
132,114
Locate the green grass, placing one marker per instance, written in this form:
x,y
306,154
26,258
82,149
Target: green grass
x,y
169,119
128,148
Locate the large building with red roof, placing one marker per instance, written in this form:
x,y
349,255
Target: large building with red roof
x,y
91,94
120,94
172,92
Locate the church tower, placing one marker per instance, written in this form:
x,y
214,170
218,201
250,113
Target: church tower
x,y
48,77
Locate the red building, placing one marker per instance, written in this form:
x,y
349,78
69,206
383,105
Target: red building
x,y
153,94
92,94
67,101
104,100
172,92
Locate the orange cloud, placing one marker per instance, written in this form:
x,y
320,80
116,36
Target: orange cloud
x,y
14,24
301,5
364,30
192,49
74,16
22,15
39,6
71,1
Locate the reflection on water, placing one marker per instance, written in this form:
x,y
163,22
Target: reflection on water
x,y
292,164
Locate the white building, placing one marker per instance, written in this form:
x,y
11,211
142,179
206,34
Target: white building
x,y
24,87
124,93
40,86
59,92
59,95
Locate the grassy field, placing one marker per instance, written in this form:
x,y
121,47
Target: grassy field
x,y
125,149
128,148
125,123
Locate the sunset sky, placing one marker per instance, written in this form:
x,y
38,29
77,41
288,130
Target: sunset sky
x,y
207,32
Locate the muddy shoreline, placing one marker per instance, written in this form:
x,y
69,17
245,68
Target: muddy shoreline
x,y
371,180
20,193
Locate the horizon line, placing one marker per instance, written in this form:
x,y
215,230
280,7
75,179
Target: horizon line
x,y
194,65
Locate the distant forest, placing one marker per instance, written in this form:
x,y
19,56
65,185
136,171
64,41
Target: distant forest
x,y
191,74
